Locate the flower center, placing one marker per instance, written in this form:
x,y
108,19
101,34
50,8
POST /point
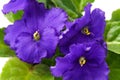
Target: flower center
x,y
36,36
86,31
82,61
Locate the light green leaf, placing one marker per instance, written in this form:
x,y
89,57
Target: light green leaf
x,y
116,15
14,16
113,61
114,47
112,36
5,51
74,8
15,69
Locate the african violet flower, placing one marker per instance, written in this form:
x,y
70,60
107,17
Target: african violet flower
x,y
15,5
36,35
85,29
84,62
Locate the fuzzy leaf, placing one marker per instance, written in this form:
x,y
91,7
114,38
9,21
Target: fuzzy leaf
x,y
116,15
14,16
113,61
15,69
112,36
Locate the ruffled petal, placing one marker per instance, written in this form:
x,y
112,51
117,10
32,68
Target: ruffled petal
x,y
28,50
34,15
12,31
97,54
71,37
49,41
14,6
99,72
66,67
74,32
83,21
84,73
76,50
95,67
62,65
73,74
55,18
97,23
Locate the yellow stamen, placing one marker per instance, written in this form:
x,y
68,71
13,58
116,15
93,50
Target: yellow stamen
x,y
86,31
82,61
36,36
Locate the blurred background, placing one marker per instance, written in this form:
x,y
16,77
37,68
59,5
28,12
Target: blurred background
x,y
106,5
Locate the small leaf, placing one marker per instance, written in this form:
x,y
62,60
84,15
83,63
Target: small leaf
x,y
113,61
116,15
74,8
14,16
112,36
5,51
15,69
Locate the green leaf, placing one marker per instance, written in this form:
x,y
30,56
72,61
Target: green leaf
x,y
112,32
14,16
116,15
15,69
47,3
57,78
74,8
5,51
113,61
112,36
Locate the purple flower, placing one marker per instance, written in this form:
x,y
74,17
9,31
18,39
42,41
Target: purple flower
x,y
36,35
84,62
85,29
15,5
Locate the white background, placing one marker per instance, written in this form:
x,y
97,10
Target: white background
x,y
106,5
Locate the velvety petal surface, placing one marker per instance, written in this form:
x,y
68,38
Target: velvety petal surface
x,y
12,31
74,32
66,63
73,38
84,20
55,18
76,52
14,6
36,18
34,15
97,54
62,65
28,50
87,73
97,22
49,41
95,67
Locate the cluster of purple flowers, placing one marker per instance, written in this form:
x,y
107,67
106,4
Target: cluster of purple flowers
x,y
40,32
